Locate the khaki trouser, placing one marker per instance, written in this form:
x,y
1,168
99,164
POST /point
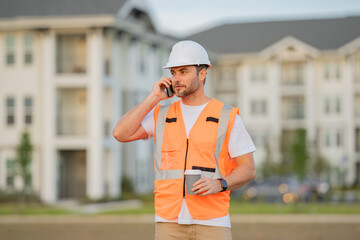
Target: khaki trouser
x,y
175,231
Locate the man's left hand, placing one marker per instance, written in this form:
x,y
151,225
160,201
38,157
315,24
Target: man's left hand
x,y
206,186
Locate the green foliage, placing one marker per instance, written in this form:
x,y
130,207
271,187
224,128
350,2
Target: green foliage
x,y
320,167
23,159
128,190
294,153
269,167
285,166
299,153
23,166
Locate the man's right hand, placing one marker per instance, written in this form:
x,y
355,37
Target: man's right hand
x,y
159,88
129,126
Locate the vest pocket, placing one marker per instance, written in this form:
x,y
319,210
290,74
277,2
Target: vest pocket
x,y
170,157
203,156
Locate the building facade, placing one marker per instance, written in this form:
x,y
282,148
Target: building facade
x,y
68,72
67,77
294,75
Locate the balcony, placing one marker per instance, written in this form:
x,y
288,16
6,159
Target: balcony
x,y
71,54
292,78
226,81
71,115
357,107
293,111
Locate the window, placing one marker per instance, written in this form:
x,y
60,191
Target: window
x,y
227,74
293,108
357,140
258,73
327,139
227,79
327,105
338,105
259,139
107,54
10,173
10,50
28,49
28,110
332,70
338,138
332,105
142,59
333,138
258,107
10,111
162,62
357,105
71,53
293,73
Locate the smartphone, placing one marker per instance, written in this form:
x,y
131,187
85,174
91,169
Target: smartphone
x,y
170,91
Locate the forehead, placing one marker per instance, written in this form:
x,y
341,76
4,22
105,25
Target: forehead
x,y
190,67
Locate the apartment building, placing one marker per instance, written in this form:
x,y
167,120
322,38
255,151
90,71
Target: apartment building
x,y
288,75
68,71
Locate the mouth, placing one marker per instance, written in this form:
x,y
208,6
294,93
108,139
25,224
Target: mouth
x,y
178,86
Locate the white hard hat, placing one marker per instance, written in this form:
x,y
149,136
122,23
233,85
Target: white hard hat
x,y
186,53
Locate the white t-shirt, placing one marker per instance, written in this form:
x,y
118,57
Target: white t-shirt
x,y
240,143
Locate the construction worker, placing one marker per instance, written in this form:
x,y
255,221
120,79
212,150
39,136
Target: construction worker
x,y
196,132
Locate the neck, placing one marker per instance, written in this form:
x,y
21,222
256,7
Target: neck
x,y
196,99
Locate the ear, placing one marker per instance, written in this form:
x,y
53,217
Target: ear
x,y
202,74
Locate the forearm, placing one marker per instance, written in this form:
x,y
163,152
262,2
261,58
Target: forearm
x,y
243,173
130,122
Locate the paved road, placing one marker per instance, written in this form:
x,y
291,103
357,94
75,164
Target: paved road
x,y
254,227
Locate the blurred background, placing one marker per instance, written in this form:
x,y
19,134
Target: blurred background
x,y
70,69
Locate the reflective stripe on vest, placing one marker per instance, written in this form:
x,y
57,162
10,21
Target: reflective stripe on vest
x,y
178,173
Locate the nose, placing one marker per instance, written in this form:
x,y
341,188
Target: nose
x,y
175,79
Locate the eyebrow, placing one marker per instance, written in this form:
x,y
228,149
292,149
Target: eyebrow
x,y
181,69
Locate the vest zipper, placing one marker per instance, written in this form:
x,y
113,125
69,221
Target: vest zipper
x,y
187,147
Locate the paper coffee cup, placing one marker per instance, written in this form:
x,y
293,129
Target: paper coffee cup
x,y
191,176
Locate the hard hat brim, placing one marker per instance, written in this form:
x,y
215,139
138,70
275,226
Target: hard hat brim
x,y
186,64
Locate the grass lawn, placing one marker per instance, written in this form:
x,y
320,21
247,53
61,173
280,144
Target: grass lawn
x,y
29,209
236,207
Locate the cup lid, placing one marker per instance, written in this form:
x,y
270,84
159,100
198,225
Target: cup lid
x,y
193,172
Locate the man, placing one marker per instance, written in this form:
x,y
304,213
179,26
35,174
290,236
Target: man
x,y
197,132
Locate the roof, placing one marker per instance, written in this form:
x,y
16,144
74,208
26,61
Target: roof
x,y
42,8
323,34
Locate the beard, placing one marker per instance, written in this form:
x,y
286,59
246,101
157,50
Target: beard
x,y
194,86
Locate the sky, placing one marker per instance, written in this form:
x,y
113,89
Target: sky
x,y
184,17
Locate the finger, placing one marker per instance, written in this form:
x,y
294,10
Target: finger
x,y
202,189
199,186
201,180
205,194
167,81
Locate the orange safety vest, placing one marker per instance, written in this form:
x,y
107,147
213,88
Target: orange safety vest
x,y
205,149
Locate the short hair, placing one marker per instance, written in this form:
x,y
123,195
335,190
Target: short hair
x,y
201,67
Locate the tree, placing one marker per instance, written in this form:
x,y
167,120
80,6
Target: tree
x,y
285,166
320,167
23,162
299,153
269,167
